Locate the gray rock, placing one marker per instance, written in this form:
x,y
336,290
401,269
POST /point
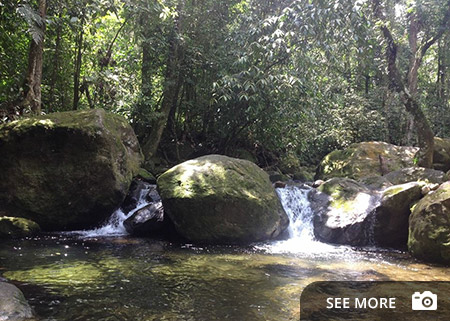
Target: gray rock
x,y
148,221
13,305
390,227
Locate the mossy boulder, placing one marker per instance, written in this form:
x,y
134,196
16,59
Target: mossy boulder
x,y
218,199
405,175
13,305
289,163
67,170
441,155
277,176
347,212
14,227
341,207
304,174
146,176
429,227
365,159
390,224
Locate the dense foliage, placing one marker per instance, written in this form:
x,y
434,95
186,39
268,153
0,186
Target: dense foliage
x,y
287,81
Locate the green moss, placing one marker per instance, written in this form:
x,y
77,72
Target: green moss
x,y
67,170
429,228
219,199
11,227
146,176
362,160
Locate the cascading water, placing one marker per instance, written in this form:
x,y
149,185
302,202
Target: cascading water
x,y
301,231
293,198
114,225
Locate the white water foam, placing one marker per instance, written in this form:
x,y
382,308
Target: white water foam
x,y
301,231
114,225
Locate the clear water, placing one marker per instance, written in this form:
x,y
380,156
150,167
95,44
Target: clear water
x,y
75,277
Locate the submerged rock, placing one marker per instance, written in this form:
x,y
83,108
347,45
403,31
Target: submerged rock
x,y
13,305
13,227
429,227
218,199
67,170
365,159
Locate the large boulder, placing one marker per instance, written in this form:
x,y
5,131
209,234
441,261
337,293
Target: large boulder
x,y
429,227
391,215
441,155
218,199
365,159
405,175
347,212
14,227
67,170
13,306
341,207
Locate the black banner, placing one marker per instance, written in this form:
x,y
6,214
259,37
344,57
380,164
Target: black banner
x,y
348,300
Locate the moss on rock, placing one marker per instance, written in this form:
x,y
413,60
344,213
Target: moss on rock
x,y
429,227
218,199
365,159
390,227
67,170
12,227
341,207
441,155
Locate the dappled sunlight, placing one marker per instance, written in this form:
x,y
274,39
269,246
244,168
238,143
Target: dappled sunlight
x,y
349,211
71,273
193,174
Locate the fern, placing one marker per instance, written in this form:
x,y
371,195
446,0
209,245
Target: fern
x,y
34,21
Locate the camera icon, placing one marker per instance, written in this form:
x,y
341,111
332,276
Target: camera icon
x,y
424,301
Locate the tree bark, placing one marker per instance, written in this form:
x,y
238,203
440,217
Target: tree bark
x,y
171,90
77,71
55,70
408,91
32,97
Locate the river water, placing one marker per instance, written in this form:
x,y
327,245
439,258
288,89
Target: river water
x,y
106,275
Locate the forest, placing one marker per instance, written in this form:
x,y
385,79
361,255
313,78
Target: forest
x,y
281,82
224,160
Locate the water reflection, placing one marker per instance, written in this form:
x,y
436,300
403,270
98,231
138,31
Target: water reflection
x,y
137,279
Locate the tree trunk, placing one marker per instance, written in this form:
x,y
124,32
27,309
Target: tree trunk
x,y
408,92
146,69
32,86
77,72
172,85
55,64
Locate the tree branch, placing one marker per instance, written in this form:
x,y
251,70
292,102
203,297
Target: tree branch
x,y
441,30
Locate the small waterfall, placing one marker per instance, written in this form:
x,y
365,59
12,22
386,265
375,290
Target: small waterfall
x,y
296,205
301,231
114,225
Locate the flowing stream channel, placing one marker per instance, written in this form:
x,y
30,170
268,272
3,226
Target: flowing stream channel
x,y
104,274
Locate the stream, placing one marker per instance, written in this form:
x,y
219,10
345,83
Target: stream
x,y
104,274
